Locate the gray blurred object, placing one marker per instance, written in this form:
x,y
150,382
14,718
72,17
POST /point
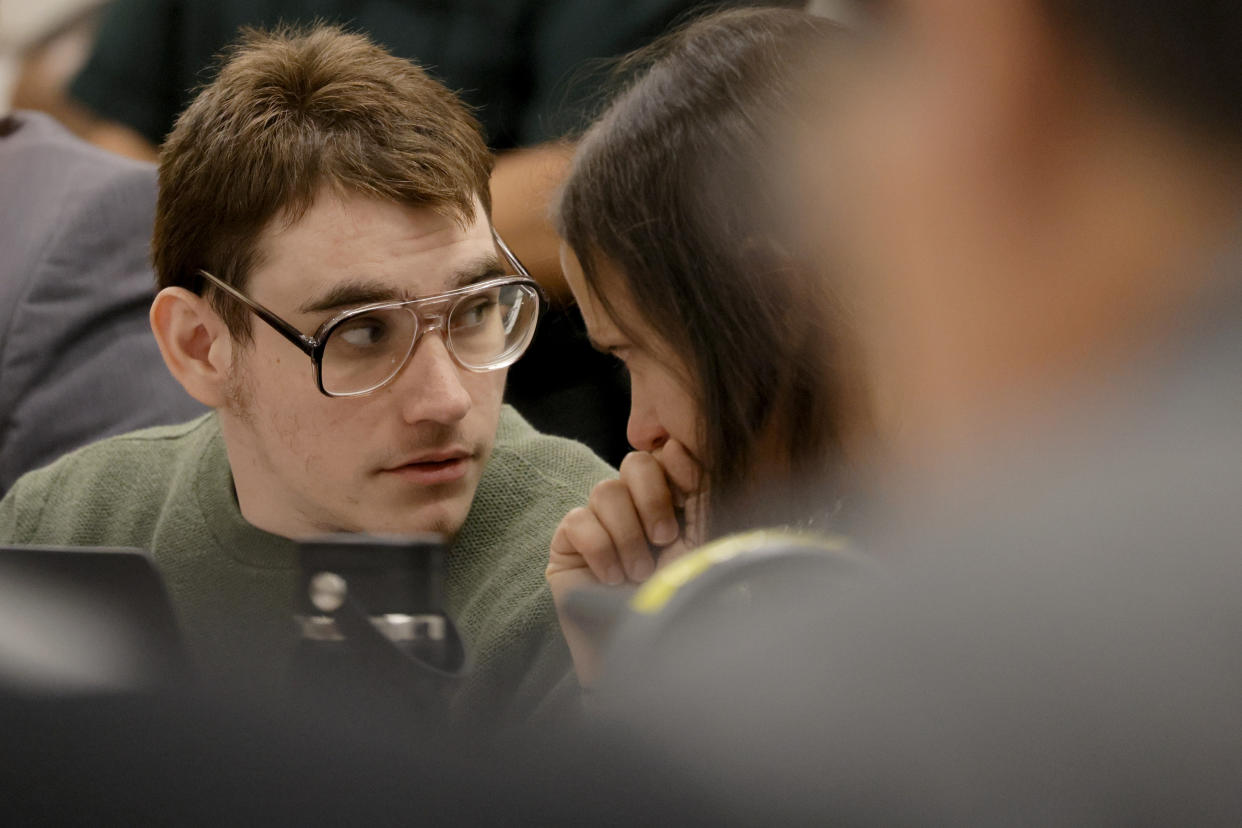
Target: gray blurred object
x,y
81,621
1057,640
77,358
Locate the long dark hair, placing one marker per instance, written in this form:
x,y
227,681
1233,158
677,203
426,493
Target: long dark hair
x,y
676,187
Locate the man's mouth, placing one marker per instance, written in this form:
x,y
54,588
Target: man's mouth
x,y
433,468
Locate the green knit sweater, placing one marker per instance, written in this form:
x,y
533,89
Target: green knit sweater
x,y
170,490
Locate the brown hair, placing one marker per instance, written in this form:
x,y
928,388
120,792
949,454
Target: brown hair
x,y
676,187
290,111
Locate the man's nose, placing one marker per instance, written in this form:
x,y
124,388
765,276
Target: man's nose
x,y
430,385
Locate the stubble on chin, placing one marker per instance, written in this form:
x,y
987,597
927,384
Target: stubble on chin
x,y
437,520
445,525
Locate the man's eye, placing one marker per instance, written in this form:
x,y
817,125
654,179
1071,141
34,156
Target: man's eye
x,y
366,332
474,314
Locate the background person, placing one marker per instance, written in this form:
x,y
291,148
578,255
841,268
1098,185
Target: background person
x,y
676,249
77,361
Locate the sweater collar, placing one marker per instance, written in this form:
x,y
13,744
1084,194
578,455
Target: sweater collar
x,y
217,498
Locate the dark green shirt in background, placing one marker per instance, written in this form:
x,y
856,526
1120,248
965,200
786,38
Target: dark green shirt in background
x,y
526,64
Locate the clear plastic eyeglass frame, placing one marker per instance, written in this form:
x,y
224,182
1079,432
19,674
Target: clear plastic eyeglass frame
x,y
431,312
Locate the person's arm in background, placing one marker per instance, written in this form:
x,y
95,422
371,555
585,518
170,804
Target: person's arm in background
x,y
523,185
118,138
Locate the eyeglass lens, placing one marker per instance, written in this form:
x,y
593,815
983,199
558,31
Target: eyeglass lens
x,y
484,329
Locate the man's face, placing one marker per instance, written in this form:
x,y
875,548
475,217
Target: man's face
x,y
404,459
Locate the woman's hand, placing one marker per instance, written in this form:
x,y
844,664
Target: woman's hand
x,y
632,525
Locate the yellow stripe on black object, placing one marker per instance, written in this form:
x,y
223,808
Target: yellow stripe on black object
x,y
655,594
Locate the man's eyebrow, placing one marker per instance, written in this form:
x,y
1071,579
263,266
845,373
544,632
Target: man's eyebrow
x,y
357,292
486,267
365,292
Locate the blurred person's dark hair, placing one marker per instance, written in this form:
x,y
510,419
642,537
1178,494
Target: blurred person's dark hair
x,y
291,111
1181,55
675,190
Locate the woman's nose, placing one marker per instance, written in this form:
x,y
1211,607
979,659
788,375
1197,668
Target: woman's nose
x,y
644,430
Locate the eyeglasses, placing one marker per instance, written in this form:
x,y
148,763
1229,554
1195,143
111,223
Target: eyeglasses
x,y
486,327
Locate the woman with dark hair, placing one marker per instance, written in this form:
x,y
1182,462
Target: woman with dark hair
x,y
674,218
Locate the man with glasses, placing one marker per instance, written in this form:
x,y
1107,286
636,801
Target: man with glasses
x,y
332,287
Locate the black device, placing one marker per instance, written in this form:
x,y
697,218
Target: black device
x,y
85,620
374,628
709,593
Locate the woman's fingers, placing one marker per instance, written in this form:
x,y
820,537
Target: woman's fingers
x,y
581,540
652,496
683,471
613,505
613,537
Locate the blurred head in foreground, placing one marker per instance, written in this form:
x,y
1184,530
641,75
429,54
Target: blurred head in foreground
x,y
674,218
1021,193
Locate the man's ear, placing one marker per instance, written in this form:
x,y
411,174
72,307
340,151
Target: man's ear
x,y
195,343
